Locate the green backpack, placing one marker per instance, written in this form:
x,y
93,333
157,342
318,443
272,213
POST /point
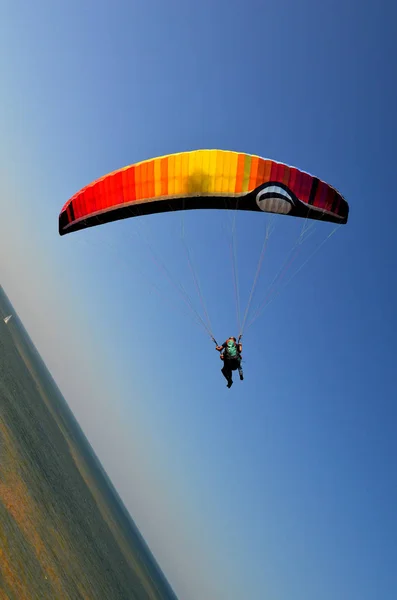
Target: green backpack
x,y
231,350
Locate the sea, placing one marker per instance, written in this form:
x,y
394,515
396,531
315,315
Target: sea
x,y
64,531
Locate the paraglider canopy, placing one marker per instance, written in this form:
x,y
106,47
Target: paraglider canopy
x,y
203,179
212,179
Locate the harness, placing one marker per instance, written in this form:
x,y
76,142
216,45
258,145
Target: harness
x,y
231,352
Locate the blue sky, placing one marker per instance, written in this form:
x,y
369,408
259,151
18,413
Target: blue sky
x,y
284,486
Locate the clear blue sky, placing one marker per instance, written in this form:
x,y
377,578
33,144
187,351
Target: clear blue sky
x,y
284,486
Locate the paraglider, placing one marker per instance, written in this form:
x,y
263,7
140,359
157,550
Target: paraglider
x,y
231,355
206,179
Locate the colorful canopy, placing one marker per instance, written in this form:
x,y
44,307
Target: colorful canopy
x,y
202,179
